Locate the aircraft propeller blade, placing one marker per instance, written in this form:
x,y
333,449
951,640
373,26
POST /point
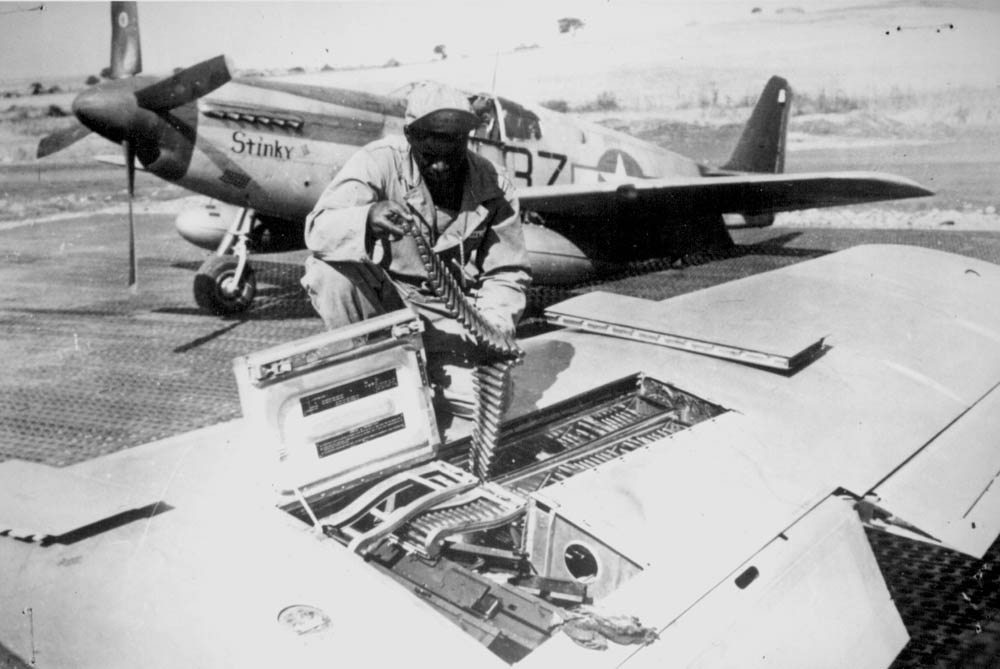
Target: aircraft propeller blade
x,y
129,149
60,139
126,53
186,86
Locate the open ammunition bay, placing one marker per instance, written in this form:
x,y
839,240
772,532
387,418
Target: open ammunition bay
x,y
358,452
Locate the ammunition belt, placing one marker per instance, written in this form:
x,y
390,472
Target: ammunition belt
x,y
491,378
483,507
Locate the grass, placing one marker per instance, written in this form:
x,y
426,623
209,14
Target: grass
x,y
604,102
837,102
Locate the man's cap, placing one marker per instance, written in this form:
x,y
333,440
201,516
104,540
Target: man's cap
x,y
438,108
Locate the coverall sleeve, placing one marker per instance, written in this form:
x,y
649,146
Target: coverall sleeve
x,y
503,260
337,227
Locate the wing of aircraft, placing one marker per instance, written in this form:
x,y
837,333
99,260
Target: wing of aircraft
x,y
749,194
697,472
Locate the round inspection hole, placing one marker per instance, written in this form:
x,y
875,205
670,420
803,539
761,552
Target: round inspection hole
x,y
581,562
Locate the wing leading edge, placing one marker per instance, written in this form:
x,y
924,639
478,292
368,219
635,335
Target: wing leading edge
x,y
750,194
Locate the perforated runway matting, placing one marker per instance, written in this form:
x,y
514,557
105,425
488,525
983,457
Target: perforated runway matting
x,y
948,601
92,367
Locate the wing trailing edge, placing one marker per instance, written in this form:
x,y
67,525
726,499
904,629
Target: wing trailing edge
x,y
749,194
949,490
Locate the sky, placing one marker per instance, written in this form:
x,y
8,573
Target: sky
x,y
648,52
72,38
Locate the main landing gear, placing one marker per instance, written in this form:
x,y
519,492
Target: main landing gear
x,y
225,283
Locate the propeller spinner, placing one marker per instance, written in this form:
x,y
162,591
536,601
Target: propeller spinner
x,y
127,109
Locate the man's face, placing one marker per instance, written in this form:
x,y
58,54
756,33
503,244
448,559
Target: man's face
x,y
441,157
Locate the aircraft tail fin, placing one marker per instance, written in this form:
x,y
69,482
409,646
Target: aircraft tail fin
x,y
126,56
762,145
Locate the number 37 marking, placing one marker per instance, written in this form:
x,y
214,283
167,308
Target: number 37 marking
x,y
529,163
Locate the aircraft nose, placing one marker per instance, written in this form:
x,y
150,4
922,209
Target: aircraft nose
x,y
107,110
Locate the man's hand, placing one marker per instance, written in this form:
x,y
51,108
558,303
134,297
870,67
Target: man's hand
x,y
383,220
501,322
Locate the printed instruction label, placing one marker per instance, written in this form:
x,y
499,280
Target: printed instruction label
x,y
360,435
348,392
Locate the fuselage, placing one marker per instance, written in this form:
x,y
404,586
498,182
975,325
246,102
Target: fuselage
x,y
274,146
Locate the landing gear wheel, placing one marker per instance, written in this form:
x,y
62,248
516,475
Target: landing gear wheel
x,y
214,288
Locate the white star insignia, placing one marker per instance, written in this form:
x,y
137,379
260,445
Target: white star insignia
x,y
620,174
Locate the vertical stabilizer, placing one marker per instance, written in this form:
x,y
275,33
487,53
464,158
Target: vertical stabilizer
x,y
762,145
126,56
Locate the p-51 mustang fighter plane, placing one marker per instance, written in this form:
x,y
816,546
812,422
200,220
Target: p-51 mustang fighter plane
x,y
594,198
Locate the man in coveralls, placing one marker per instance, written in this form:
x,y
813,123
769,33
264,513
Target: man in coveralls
x,y
363,265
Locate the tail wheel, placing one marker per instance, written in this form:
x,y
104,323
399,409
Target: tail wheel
x,y
216,290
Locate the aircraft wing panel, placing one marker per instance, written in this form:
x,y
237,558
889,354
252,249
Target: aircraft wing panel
x,y
824,557
40,501
765,608
907,387
911,359
221,565
703,469
950,488
749,194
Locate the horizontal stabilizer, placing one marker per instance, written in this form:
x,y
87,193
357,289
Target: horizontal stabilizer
x,y
751,194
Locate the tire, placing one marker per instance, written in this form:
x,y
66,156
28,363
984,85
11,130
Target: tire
x,y
209,293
